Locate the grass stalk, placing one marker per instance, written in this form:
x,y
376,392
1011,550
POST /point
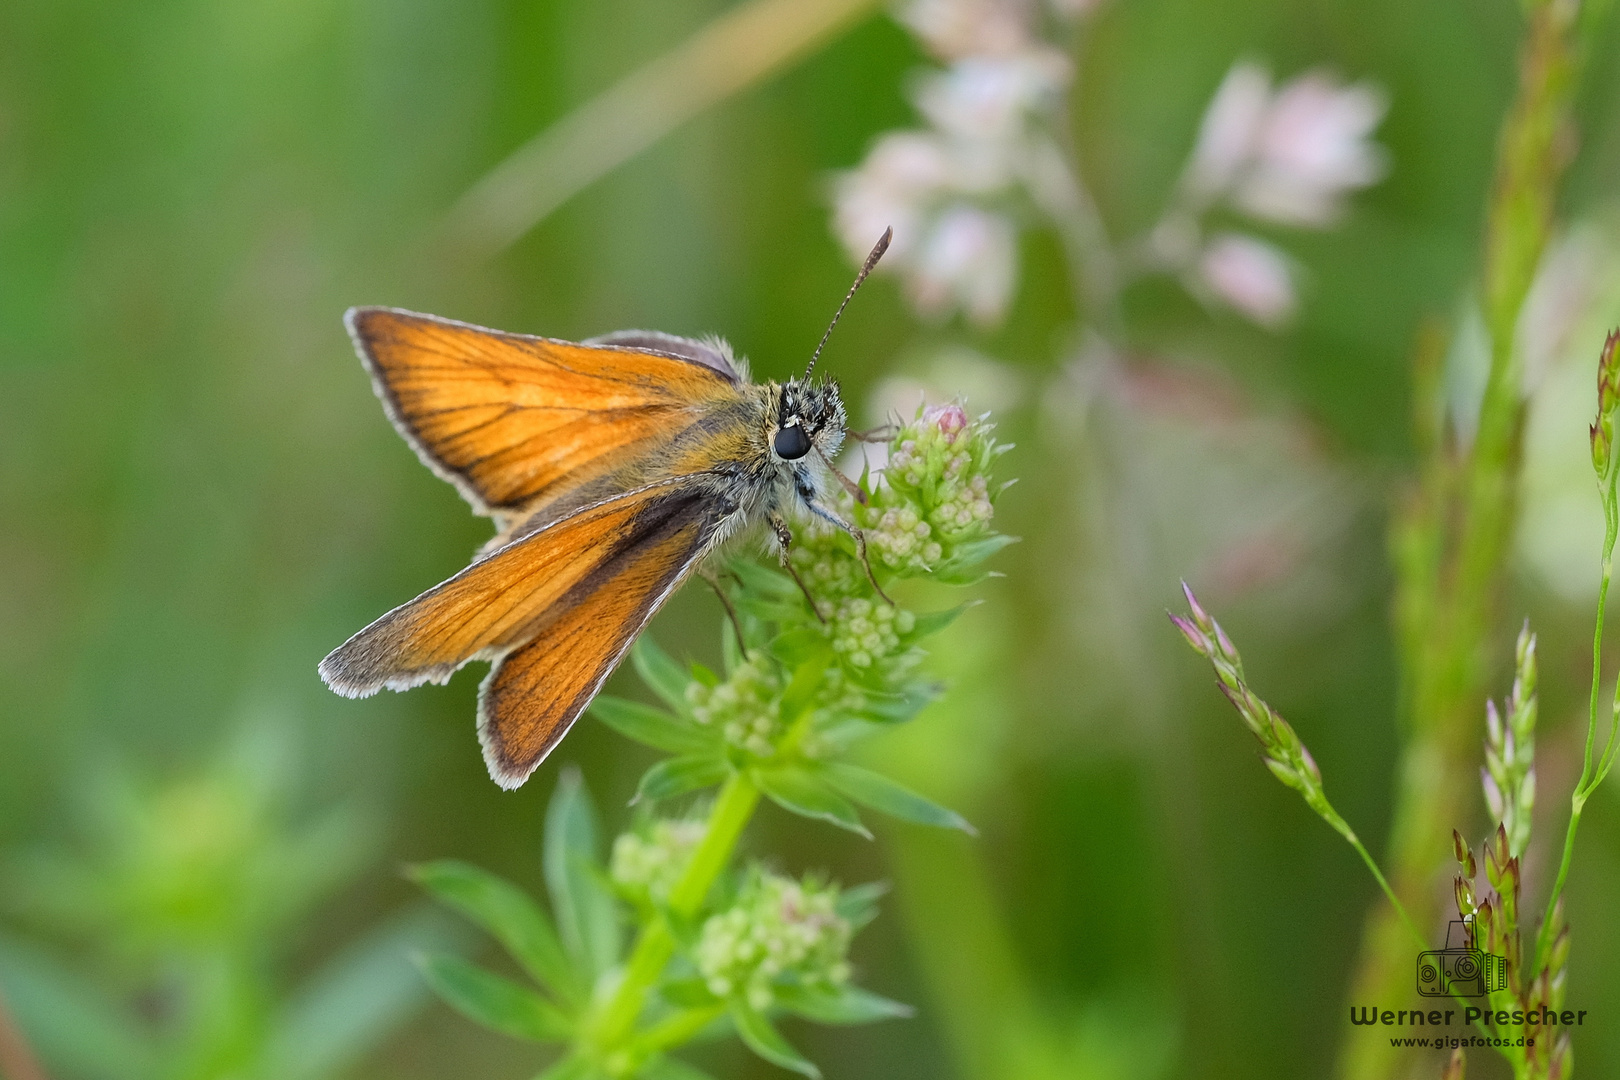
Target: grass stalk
x,y
1458,534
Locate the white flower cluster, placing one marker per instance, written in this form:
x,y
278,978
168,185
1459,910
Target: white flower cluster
x,y
651,861
1288,155
778,926
944,190
744,707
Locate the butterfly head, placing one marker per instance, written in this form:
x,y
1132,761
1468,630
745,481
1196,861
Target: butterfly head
x,y
808,416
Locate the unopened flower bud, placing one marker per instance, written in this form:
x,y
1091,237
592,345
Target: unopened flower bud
x,y
1602,430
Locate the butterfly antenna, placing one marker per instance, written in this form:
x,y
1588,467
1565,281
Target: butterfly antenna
x,y
866,268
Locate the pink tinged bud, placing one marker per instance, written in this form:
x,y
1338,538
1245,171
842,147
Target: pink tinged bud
x,y
1602,431
949,419
1198,611
1493,722
1250,276
1194,638
1310,765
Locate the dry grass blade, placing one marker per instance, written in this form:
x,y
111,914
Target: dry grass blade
x,y
735,51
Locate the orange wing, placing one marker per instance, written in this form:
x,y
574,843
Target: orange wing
x,y
519,422
555,611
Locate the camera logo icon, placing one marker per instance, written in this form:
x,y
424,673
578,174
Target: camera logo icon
x,y
1460,970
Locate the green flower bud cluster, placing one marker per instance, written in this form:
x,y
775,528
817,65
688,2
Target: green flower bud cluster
x,y
864,631
777,928
649,861
746,707
936,494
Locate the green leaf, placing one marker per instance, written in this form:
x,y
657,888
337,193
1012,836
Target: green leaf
x,y
655,727
959,569
662,675
849,1005
356,1000
798,645
878,792
493,1001
677,776
510,914
796,789
763,580
897,708
806,682
587,918
704,674
935,621
857,905
763,1039
73,1023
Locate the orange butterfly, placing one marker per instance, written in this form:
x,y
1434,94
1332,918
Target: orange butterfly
x,y
611,468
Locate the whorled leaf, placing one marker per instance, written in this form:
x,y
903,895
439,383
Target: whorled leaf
x,y
877,792
508,913
681,775
494,1001
848,1005
800,791
763,1039
587,918
654,727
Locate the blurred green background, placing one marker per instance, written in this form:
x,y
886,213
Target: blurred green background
x,y
199,497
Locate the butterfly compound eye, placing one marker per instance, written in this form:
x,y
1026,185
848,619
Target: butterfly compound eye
x,y
791,443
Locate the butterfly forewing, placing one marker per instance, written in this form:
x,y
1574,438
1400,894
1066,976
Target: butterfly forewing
x,y
519,422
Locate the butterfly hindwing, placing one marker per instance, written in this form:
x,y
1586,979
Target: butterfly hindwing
x,y
555,610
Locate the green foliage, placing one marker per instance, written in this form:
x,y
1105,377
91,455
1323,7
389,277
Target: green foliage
x,y
803,681
188,893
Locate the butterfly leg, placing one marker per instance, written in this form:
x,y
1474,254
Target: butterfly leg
x,y
881,433
784,537
855,533
725,601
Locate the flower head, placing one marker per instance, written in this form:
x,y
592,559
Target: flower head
x,y
967,259
746,707
936,493
648,861
779,928
1289,156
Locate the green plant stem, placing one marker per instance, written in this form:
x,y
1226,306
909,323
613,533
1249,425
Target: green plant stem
x,y
1354,841
679,1029
731,812
1589,778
